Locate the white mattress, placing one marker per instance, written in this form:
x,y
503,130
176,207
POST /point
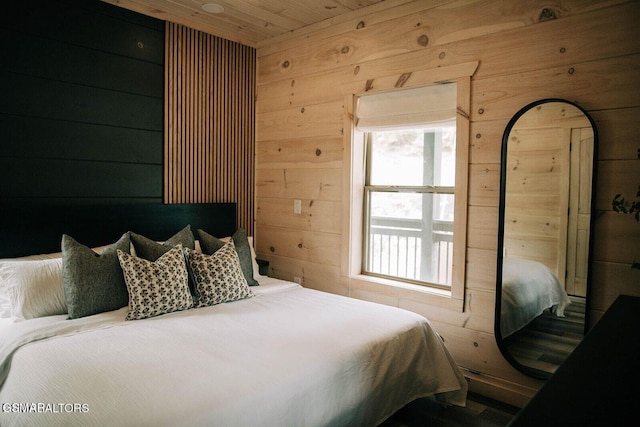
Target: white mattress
x,y
287,357
528,288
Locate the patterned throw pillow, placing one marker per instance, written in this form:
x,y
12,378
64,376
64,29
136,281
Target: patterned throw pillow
x,y
218,277
156,287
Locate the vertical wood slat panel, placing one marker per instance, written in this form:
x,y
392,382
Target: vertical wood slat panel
x,y
209,125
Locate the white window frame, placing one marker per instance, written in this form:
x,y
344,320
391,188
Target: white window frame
x,y
370,188
388,290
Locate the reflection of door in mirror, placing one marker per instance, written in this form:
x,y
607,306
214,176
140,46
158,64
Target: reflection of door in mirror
x,y
547,172
579,218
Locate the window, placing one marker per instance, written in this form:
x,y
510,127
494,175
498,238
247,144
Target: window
x,y
411,188
409,204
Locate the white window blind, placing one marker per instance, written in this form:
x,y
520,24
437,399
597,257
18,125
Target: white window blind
x,y
406,108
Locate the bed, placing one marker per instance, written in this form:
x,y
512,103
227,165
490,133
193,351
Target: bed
x,y
528,289
266,354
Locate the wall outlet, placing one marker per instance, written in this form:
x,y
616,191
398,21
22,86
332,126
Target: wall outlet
x,y
297,206
297,279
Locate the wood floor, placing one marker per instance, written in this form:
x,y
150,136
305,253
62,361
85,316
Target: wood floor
x,y
547,341
479,412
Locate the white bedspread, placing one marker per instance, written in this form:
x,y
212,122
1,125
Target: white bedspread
x,y
528,288
288,357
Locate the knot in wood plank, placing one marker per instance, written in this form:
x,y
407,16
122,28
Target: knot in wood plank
x,y
423,40
547,14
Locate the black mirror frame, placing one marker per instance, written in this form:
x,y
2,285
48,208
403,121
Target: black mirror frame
x,y
532,372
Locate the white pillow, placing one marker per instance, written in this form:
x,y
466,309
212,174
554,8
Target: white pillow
x,y
34,257
51,255
256,267
5,304
6,300
34,287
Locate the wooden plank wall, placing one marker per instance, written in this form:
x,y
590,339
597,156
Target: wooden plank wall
x,y
581,50
537,191
81,105
209,128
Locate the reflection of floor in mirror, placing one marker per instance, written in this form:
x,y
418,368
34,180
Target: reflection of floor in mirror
x,y
547,341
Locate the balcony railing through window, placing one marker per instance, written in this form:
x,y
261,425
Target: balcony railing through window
x,y
404,248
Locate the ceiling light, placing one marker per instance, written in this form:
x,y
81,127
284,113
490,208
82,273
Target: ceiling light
x,y
212,8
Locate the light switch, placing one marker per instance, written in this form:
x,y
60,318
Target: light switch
x,y
297,206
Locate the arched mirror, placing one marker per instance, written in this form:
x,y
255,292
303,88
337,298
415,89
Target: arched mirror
x,y
545,221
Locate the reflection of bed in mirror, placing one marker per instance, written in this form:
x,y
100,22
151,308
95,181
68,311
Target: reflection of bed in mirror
x,y
545,215
528,288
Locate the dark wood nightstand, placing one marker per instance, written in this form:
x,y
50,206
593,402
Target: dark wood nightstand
x,y
263,266
598,384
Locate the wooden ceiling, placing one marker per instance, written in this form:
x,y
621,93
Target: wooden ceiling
x,y
246,21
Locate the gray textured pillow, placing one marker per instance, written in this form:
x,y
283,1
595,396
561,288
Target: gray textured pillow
x,y
151,250
218,277
210,245
156,287
93,283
